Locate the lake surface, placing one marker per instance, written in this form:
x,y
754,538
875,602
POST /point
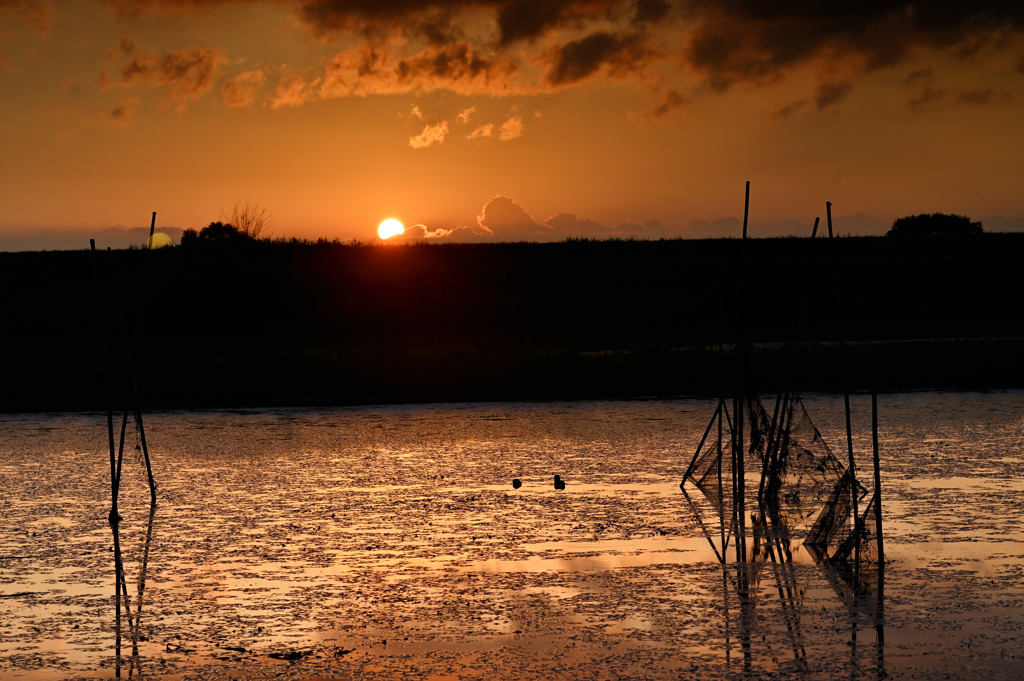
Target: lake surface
x,y
388,542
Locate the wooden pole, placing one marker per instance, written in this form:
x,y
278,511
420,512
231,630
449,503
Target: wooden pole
x,y
735,477
814,232
853,485
693,462
741,486
152,228
721,492
828,211
113,517
880,602
746,209
878,482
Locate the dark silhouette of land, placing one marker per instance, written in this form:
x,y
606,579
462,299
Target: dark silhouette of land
x,y
257,323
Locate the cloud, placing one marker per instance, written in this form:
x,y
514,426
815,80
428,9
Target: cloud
x,y
432,134
758,42
502,47
507,220
186,74
672,101
982,97
461,233
465,114
485,130
859,224
722,227
565,225
650,11
457,67
33,12
511,129
293,90
925,76
123,112
416,113
927,99
830,94
601,52
241,90
790,109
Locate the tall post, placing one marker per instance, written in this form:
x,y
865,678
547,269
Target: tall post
x,y
152,228
741,486
878,482
814,232
746,209
735,480
828,211
721,492
880,603
853,485
114,516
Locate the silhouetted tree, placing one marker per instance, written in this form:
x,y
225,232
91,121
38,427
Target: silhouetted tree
x,y
934,224
249,218
214,233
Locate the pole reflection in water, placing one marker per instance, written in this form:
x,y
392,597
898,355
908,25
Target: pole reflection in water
x,y
134,662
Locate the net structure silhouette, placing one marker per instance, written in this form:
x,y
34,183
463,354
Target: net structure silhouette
x,y
805,492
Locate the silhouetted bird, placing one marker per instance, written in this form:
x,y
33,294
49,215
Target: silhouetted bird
x,y
559,483
516,483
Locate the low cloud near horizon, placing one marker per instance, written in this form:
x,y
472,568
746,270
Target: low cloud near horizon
x,y
502,219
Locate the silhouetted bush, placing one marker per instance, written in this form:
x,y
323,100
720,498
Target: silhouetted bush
x,y
934,224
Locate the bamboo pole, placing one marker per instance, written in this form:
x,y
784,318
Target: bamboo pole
x,y
693,462
878,482
113,517
853,484
746,209
721,491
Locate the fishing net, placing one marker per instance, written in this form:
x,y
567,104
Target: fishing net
x,y
832,527
804,474
711,470
867,538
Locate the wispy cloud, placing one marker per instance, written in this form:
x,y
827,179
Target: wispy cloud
x,y
673,100
123,112
457,67
511,129
33,12
465,114
186,74
431,135
830,94
293,90
241,90
485,130
983,97
503,47
928,98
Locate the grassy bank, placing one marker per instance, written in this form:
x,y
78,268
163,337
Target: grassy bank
x,y
324,324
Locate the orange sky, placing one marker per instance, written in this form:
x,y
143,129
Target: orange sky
x,y
505,119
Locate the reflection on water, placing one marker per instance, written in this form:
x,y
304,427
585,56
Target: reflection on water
x,y
122,598
390,542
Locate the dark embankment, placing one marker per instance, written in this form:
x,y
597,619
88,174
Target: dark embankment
x,y
298,324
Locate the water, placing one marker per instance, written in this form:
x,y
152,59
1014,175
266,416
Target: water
x,y
388,542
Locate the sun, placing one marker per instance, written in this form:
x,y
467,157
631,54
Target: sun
x,y
390,228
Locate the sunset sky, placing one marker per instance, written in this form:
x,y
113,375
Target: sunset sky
x,y
506,119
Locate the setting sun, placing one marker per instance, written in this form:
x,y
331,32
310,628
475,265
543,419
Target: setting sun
x,y
390,228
